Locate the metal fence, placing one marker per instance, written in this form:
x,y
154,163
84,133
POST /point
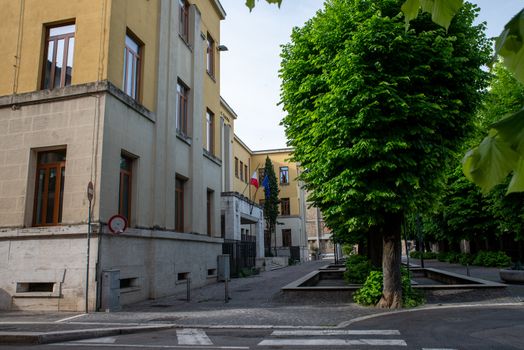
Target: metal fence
x,y
241,255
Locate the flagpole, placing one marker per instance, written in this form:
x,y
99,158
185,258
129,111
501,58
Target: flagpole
x,y
253,201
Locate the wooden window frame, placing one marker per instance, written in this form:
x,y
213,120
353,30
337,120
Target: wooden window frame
x,y
241,171
261,175
66,37
246,173
123,174
236,167
285,207
180,184
210,55
136,70
210,131
209,212
286,168
59,191
182,112
183,29
287,239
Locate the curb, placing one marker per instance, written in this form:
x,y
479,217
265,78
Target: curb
x,y
424,308
61,336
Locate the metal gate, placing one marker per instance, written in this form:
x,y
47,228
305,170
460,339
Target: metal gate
x,y
241,255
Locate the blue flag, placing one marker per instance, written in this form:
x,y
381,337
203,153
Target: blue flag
x,y
265,183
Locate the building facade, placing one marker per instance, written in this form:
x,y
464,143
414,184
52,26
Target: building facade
x,y
123,94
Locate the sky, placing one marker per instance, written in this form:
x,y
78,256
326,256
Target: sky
x,y
249,70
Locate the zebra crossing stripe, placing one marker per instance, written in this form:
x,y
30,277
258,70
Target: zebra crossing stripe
x,y
192,336
332,342
326,332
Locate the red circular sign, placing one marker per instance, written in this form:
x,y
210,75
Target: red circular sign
x,y
117,224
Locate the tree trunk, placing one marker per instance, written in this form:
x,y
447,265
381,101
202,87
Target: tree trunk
x,y
391,260
375,246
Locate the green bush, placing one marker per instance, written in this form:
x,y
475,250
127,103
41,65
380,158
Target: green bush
x,y
492,259
371,291
358,268
466,259
415,254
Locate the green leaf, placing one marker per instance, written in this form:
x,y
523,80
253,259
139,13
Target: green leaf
x,y
511,131
489,163
517,180
442,11
410,10
509,45
251,3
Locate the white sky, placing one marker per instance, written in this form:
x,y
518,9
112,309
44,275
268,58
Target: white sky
x,y
249,70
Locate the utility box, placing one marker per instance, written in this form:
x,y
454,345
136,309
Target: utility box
x,y
223,273
110,290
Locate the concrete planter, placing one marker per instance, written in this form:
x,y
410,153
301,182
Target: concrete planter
x,y
512,276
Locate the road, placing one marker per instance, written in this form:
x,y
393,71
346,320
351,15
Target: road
x,y
500,327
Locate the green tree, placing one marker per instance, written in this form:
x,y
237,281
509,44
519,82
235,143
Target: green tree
x,y
374,113
272,201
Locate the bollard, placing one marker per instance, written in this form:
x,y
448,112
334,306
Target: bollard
x,y
188,291
226,291
467,270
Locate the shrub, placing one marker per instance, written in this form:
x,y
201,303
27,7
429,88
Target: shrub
x,y
492,259
466,259
415,254
371,291
358,268
426,255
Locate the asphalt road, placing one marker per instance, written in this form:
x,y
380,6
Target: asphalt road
x,y
500,327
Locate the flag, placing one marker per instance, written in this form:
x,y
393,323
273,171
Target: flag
x,y
254,180
265,183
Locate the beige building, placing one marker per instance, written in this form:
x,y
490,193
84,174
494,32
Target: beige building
x,y
123,94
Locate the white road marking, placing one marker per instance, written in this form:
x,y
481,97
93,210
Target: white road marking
x,y
323,332
332,342
148,346
437,349
70,318
104,340
192,336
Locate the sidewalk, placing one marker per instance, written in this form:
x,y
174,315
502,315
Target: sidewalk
x,y
256,301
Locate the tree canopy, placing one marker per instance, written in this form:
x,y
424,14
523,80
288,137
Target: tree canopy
x,y
374,112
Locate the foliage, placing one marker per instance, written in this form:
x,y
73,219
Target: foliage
x,y
492,259
271,202
442,12
368,104
371,291
251,3
358,268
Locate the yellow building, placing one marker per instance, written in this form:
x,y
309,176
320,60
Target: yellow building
x,y
123,94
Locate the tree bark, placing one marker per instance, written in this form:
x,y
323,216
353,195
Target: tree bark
x,y
391,260
375,247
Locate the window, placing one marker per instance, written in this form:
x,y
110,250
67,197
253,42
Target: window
x,y
284,206
132,62
179,204
58,66
209,215
181,108
124,196
236,167
49,189
286,238
241,171
284,175
261,173
184,19
210,130
210,55
246,175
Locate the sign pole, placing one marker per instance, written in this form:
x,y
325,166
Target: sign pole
x,y
90,190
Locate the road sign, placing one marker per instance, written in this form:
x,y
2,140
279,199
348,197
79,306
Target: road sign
x,y
117,224
90,191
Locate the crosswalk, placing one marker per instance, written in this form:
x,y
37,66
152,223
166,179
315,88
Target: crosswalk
x,y
188,338
323,337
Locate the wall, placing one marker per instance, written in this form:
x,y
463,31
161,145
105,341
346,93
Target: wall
x,y
23,35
